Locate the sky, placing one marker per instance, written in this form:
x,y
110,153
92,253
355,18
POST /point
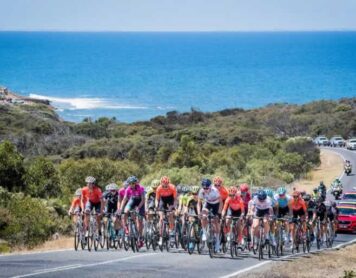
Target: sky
x,y
177,15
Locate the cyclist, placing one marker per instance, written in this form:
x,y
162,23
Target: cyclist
x,y
311,208
110,198
332,213
151,196
218,183
134,199
299,209
166,199
92,199
261,206
283,207
315,194
121,196
234,207
191,206
75,207
321,213
322,190
245,195
210,200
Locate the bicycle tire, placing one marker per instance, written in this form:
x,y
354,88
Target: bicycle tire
x,y
76,240
191,239
260,245
232,245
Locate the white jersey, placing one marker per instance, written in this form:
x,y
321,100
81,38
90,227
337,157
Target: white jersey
x,y
212,196
262,205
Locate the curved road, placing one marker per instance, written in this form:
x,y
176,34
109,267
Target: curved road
x,y
69,263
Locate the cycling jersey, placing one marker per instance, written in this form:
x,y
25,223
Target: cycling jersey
x,y
262,208
183,199
151,197
166,192
223,192
75,202
298,204
282,201
321,211
111,199
234,203
122,193
211,196
192,205
311,206
94,196
134,193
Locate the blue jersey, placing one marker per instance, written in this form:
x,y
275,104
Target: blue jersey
x,y
282,202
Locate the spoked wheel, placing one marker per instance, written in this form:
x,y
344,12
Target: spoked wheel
x,y
233,246
211,243
77,238
177,235
96,241
191,239
90,240
260,246
102,237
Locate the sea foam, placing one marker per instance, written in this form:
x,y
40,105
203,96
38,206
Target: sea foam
x,y
85,103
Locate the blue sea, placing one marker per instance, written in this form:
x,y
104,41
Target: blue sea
x,y
136,76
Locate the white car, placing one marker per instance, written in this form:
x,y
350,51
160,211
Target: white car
x,y
321,141
337,141
351,144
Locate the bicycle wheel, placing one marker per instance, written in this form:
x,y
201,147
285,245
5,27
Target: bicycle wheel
x,y
148,236
318,237
211,241
191,239
177,234
260,244
96,241
101,235
90,240
232,245
76,238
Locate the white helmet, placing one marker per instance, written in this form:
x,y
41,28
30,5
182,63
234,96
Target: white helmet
x,y
112,186
78,192
90,179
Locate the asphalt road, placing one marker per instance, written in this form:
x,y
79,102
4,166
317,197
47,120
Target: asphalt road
x,y
176,263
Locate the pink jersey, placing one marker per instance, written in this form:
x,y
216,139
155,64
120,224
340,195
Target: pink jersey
x,y
122,193
135,192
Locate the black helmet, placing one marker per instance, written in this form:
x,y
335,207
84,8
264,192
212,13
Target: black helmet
x,y
261,195
307,197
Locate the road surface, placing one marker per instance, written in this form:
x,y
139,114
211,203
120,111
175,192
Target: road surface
x,y
176,263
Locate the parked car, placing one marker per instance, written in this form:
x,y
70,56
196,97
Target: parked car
x,y
351,144
346,218
349,203
322,141
337,141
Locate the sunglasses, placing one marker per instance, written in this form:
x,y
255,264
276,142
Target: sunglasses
x,y
206,188
282,195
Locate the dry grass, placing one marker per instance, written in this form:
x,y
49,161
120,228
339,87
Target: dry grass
x,y
54,244
330,264
330,168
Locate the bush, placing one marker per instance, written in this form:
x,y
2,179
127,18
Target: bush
x,y
42,179
31,222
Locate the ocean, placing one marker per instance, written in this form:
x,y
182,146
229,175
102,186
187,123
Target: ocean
x,y
136,76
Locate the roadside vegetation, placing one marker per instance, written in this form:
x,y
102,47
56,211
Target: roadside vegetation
x,y
44,159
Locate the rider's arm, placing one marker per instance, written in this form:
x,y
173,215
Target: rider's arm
x,y
123,202
158,196
142,200
226,205
199,206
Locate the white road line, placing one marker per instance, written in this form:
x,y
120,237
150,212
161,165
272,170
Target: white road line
x,y
63,268
35,252
285,257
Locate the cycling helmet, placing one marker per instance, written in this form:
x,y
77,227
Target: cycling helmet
x,y
195,189
132,180
269,192
111,186
126,184
315,190
233,190
187,189
303,192
90,179
148,188
154,184
333,204
206,183
179,189
307,197
244,187
218,181
78,192
296,194
165,180
261,195
281,190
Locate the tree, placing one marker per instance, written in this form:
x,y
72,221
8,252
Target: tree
x,y
42,179
11,167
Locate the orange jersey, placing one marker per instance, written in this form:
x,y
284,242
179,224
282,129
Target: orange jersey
x,y
298,204
223,192
235,203
165,192
94,196
75,202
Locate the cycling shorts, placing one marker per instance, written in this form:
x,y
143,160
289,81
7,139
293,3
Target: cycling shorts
x,y
282,212
234,213
110,208
134,203
262,212
214,208
89,207
300,212
166,202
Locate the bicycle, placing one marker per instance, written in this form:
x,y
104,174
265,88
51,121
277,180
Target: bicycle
x,y
211,239
194,235
151,232
110,236
318,233
234,245
164,232
330,233
79,235
280,236
299,238
177,232
261,241
131,239
93,233
222,237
